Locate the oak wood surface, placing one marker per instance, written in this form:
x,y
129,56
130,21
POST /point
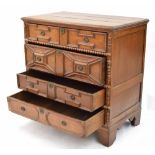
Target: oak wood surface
x,y
73,38
91,20
58,89
55,114
95,60
82,67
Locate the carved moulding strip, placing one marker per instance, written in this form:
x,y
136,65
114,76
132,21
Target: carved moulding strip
x,y
108,81
70,48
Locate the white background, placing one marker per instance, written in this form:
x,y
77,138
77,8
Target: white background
x,y
22,136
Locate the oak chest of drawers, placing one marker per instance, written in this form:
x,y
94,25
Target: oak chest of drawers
x,y
84,72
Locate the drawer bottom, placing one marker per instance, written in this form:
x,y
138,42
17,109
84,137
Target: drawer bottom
x,y
56,114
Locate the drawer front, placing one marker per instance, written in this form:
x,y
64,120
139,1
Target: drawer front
x,y
76,98
80,39
33,85
42,33
75,126
23,109
63,117
61,93
68,38
82,67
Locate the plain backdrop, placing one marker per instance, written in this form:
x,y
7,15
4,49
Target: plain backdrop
x,y
19,135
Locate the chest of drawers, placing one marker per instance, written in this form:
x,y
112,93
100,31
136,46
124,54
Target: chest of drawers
x,y
84,72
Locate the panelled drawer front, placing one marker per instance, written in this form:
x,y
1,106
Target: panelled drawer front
x,y
33,85
72,38
56,114
42,33
82,67
84,39
89,101
76,98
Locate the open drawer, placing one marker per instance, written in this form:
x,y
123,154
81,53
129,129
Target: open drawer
x,y
53,113
78,94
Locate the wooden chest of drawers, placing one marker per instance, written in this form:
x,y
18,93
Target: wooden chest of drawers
x,y
84,72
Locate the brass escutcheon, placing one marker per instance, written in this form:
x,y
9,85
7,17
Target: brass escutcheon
x,y
59,51
62,30
51,85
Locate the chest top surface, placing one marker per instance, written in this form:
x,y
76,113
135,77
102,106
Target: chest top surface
x,y
84,19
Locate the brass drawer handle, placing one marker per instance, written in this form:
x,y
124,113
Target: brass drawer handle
x,y
38,58
23,109
80,67
42,33
72,97
64,123
31,84
86,39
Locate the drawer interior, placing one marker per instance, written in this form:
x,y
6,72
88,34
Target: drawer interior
x,y
89,88
55,106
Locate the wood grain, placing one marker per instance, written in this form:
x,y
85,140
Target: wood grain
x,y
84,72
82,67
89,20
57,89
55,114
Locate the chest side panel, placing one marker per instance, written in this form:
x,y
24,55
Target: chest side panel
x,y
128,52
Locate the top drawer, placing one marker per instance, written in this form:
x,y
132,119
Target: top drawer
x,y
42,33
68,38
